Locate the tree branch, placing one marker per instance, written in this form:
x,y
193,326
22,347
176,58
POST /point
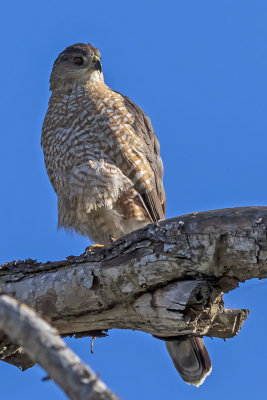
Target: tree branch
x,y
166,279
43,345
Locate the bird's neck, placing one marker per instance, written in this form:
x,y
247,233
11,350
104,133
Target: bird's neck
x,y
94,78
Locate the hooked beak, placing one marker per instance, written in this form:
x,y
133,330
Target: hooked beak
x,y
97,64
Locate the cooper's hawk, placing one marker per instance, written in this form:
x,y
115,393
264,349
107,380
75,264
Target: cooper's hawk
x,y
102,158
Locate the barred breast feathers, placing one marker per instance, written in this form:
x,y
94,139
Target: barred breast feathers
x,y
88,131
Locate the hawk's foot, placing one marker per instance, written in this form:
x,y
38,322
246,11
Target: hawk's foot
x,y
93,248
111,238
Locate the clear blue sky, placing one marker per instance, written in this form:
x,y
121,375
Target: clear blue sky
x,y
198,69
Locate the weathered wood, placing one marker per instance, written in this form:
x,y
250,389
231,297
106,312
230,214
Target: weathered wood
x,y
165,279
178,295
43,345
12,353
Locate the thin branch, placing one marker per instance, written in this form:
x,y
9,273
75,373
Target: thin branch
x,y
43,345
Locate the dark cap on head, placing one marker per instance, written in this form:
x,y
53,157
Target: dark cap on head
x,y
83,48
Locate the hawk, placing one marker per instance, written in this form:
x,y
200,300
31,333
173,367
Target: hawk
x,y
103,160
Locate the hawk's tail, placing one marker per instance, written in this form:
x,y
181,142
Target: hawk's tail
x,y
191,359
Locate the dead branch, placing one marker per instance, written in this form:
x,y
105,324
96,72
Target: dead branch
x,y
43,345
166,279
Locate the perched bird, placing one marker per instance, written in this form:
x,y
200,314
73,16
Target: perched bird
x,y
102,158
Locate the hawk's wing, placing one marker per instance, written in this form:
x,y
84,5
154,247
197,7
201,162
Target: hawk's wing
x,y
154,200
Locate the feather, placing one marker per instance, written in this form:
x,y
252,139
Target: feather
x,y
154,199
191,359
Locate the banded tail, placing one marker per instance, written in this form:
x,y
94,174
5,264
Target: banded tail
x,y
191,359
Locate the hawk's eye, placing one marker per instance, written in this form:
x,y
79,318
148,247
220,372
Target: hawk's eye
x,y
78,60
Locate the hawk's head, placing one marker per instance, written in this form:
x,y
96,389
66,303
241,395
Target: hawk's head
x,y
77,63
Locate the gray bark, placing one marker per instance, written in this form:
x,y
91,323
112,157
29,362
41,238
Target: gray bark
x,y
166,279
43,345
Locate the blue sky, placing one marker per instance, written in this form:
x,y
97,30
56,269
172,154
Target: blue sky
x,y
198,69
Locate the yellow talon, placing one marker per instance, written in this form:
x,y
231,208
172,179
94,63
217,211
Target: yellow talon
x,y
93,248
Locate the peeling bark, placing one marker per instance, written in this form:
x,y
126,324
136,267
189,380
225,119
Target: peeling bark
x,y
165,279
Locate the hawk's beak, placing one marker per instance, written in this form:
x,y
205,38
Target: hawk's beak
x,y
97,64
